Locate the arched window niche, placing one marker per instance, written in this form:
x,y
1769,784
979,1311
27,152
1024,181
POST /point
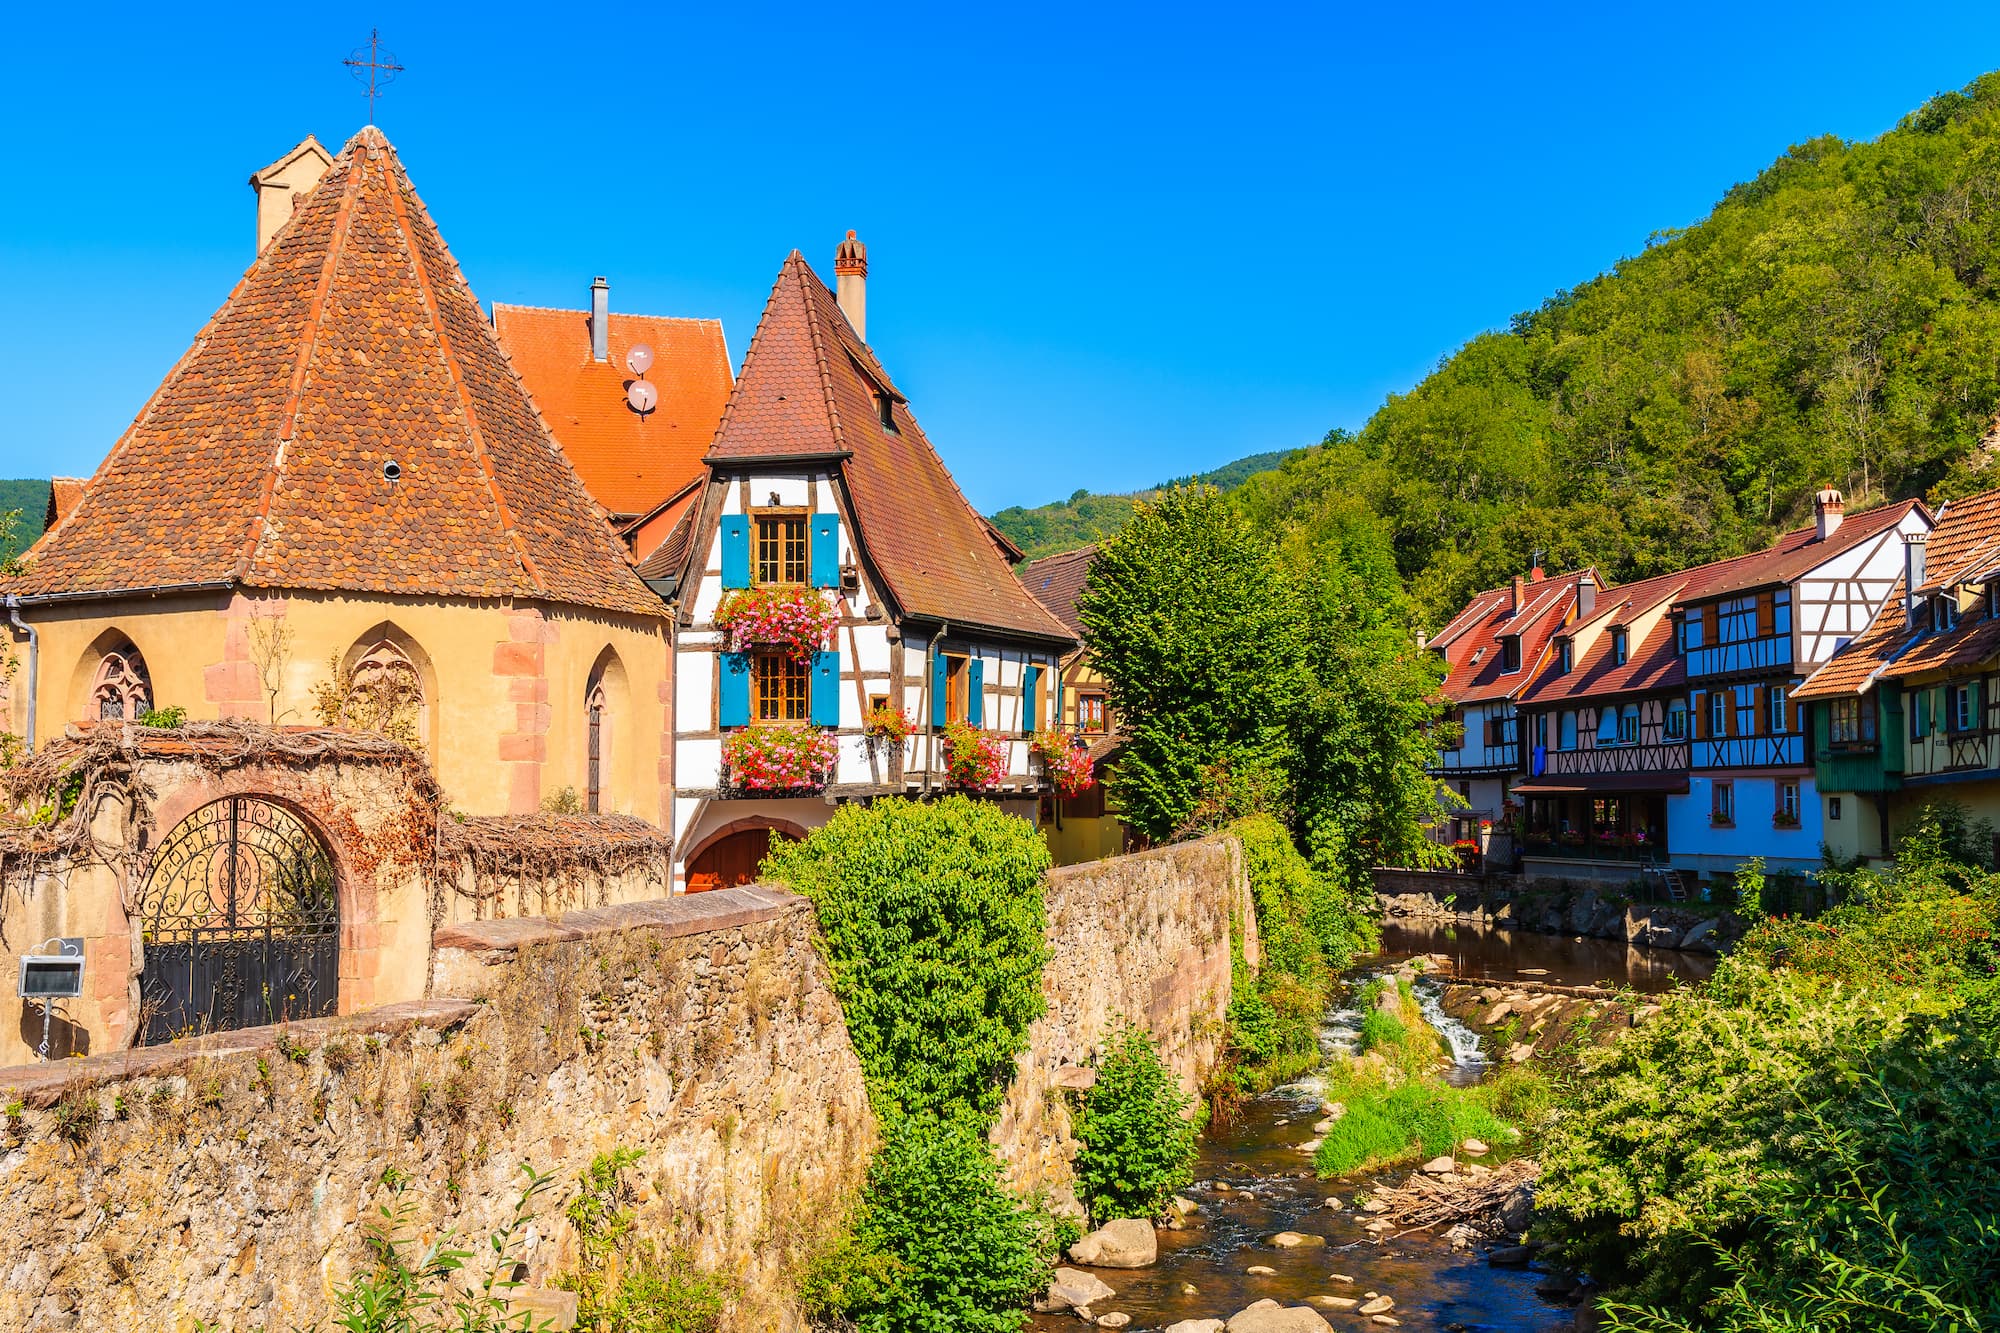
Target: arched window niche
x,y
116,685
606,712
385,684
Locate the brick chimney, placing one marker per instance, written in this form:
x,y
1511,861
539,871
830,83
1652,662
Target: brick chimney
x,y
1827,511
600,320
1586,597
850,276
1520,586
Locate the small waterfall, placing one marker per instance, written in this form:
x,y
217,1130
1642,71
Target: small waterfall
x,y
1462,1041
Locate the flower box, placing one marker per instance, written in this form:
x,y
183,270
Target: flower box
x,y
973,759
886,722
791,757
791,617
1066,762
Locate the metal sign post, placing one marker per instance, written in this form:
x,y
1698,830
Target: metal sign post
x,y
49,977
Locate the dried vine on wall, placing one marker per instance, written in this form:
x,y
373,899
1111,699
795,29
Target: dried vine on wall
x,y
561,853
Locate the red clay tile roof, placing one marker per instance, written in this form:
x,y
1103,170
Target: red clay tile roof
x,y
1056,581
1799,551
629,462
809,390
62,497
1964,543
1652,664
1471,642
351,343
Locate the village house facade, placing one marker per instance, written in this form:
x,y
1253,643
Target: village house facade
x,y
826,511
1080,827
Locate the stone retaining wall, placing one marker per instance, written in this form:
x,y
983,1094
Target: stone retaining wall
x,y
226,1179
1143,937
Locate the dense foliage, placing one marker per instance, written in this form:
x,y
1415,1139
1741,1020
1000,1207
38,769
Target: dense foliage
x,y
1808,1141
1137,1131
932,921
28,503
1085,518
1252,675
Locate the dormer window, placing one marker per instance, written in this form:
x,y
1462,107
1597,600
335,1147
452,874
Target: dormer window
x,y
1944,612
885,407
1993,599
1510,653
1565,656
1618,650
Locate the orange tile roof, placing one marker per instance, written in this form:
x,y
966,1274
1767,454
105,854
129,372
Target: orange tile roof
x,y
1798,552
809,391
1056,581
629,462
1652,664
1471,641
62,497
1852,670
352,342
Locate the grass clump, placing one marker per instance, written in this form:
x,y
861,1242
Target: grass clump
x,y
1384,1126
1137,1130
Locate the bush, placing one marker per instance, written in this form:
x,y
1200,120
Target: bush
x,y
932,922
1139,1140
625,1283
966,1255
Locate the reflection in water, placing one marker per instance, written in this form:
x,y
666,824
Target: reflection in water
x,y
1479,950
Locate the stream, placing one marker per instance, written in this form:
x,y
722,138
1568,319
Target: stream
x,y
1252,1179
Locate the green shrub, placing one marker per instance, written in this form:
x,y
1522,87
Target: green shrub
x,y
932,921
1381,1032
1139,1140
626,1283
168,718
847,1275
966,1255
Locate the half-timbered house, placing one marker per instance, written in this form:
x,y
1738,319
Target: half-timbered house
x,y
849,626
1493,650
1906,713
1082,827
1748,634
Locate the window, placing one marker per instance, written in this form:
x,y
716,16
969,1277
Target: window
x,y
1564,656
595,706
1944,612
1993,600
1718,714
1090,714
1454,721
885,410
955,696
1781,620
1618,649
1510,653
1833,808
1687,631
1775,705
1851,721
1677,719
781,549
1567,738
1962,708
1628,725
1787,814
779,684
1607,726
1722,807
121,690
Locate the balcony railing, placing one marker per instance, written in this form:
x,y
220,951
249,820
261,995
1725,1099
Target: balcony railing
x,y
1619,847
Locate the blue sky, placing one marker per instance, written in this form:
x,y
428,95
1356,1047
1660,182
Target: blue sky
x,y
1109,244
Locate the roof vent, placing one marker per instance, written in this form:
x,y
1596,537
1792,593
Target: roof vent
x,y
600,320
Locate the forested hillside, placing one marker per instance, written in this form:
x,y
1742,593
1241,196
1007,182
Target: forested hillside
x,y
1084,517
1834,320
31,500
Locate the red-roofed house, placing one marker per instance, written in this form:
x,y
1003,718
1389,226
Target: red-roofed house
x,y
1493,651
1081,827
823,492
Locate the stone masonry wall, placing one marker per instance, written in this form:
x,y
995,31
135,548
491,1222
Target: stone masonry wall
x,y
226,1180
1142,937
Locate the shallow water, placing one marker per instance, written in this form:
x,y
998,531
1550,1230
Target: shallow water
x,y
1271,1186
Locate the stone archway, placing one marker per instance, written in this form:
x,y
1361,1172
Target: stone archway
x,y
731,854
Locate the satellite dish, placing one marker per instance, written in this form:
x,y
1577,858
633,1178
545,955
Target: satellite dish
x,y
640,359
642,396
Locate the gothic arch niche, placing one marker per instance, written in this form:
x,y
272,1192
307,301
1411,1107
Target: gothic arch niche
x,y
386,684
112,683
608,727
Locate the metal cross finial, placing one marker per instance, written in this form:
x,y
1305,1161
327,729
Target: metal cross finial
x,y
380,64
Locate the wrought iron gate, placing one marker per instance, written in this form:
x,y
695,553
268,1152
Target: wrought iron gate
x,y
241,923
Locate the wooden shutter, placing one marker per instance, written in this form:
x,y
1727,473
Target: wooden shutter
x,y
1767,620
975,692
1710,618
1920,713
1976,697
735,530
733,704
825,553
1760,704
824,689
1031,700
1699,716
940,684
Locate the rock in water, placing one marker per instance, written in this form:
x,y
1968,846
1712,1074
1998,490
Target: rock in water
x,y
1260,1270
1116,1319
1380,1305
1440,1166
1475,1147
1292,1240
1510,1256
1271,1317
1335,1302
1126,1243
1071,1288
1196,1326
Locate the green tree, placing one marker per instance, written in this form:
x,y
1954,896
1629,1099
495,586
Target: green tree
x,y
1137,1129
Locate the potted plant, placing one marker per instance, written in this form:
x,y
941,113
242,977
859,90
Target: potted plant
x,y
1065,760
792,617
887,723
972,759
789,757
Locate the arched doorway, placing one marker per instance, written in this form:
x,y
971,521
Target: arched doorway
x,y
732,856
241,923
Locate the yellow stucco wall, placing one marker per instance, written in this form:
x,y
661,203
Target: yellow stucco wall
x,y
505,685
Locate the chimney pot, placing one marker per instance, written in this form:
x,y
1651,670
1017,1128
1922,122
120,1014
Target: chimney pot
x,y
1827,511
600,319
850,277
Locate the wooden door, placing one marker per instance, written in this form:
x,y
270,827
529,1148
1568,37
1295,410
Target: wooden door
x,y
730,861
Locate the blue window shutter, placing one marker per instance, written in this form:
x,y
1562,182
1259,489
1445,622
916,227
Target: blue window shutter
x,y
735,550
825,550
1031,695
733,708
826,689
975,691
939,674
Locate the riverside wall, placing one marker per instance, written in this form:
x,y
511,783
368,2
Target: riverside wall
x,y
1144,938
228,1180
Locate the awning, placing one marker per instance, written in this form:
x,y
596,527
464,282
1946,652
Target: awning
x,y
1602,784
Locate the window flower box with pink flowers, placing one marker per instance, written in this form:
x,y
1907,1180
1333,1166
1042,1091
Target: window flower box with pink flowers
x,y
973,759
796,619
790,757
1066,763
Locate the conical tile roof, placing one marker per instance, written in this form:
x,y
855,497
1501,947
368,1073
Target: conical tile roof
x,y
265,458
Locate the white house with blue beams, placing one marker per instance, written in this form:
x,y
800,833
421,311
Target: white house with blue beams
x,y
821,483
1749,631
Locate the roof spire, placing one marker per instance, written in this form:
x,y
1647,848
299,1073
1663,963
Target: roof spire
x,y
380,64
